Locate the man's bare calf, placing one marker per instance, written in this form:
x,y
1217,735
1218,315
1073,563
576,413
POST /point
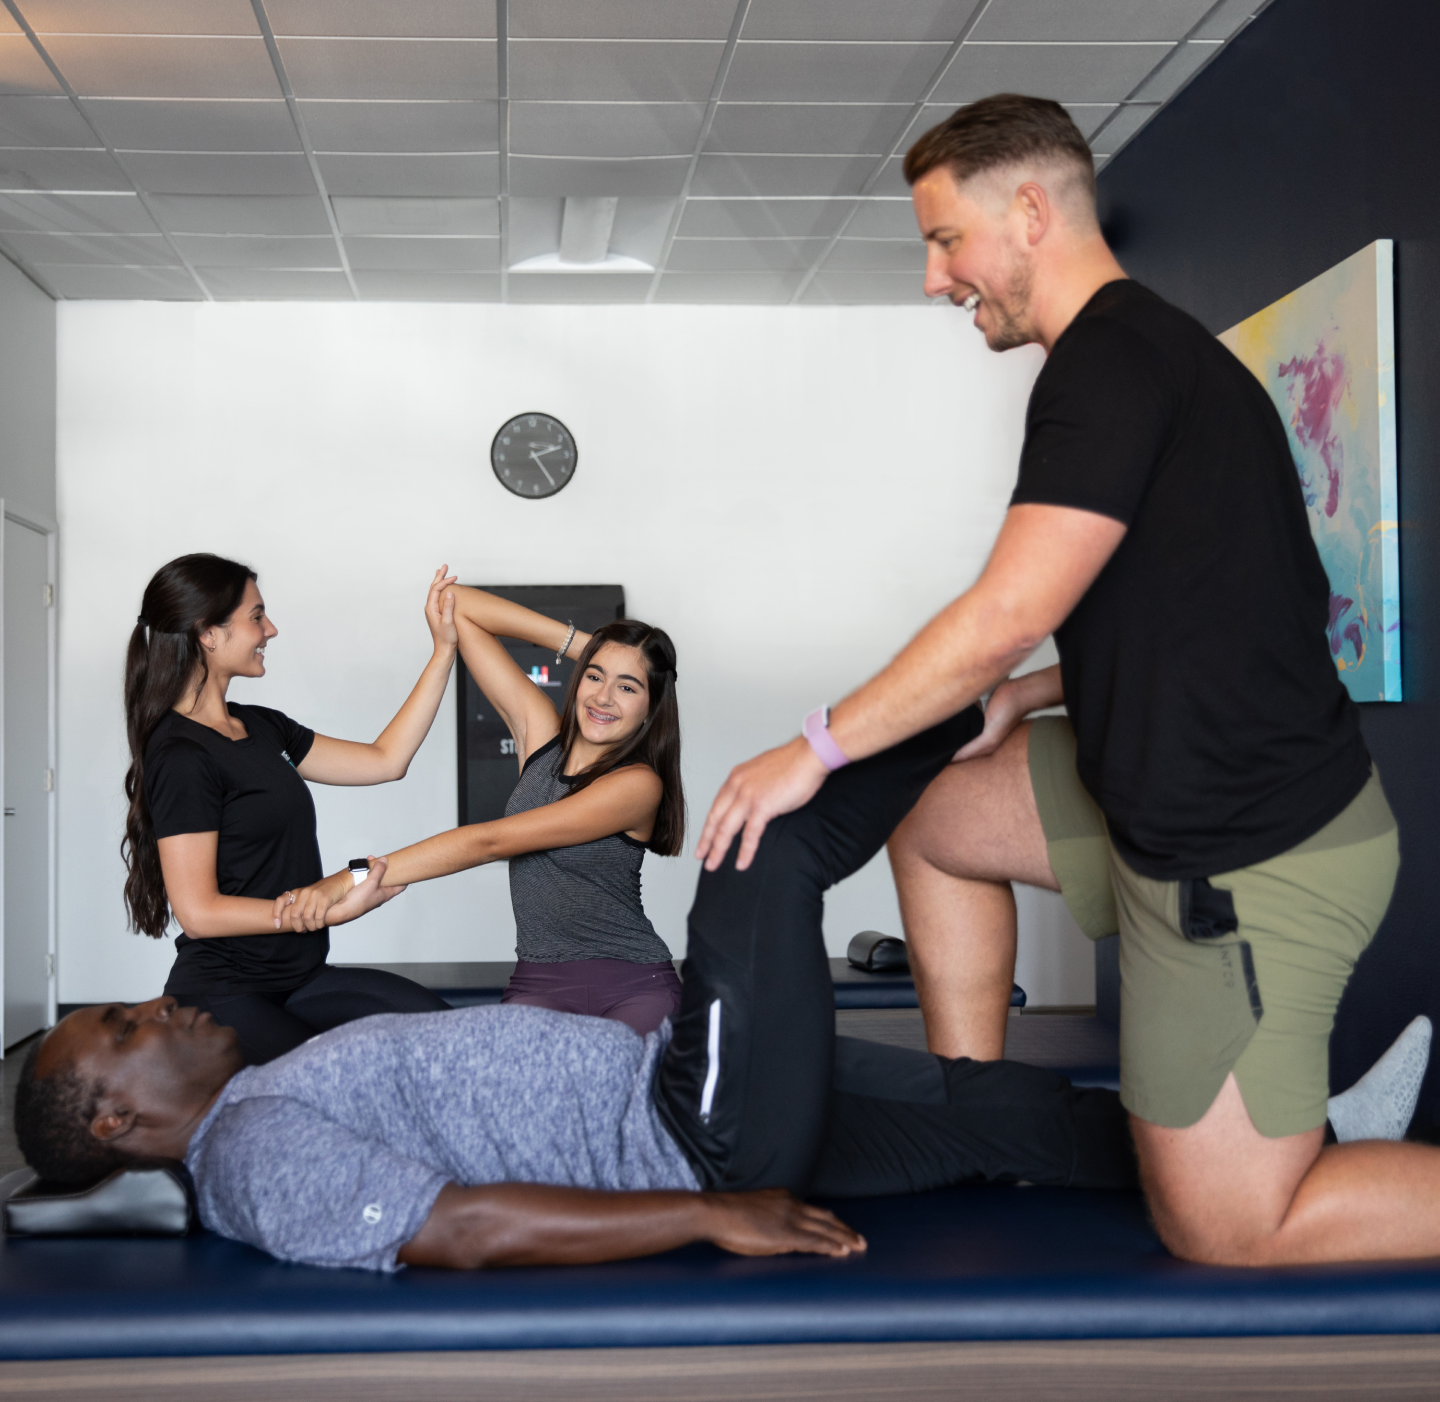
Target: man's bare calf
x,y
975,830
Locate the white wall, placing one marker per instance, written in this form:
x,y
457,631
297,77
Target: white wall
x,y
790,492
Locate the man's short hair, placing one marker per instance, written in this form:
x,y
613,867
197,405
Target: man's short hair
x,y
1007,129
52,1125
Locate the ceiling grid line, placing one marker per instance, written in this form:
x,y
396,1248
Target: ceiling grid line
x,y
727,57
78,103
306,145
502,90
916,112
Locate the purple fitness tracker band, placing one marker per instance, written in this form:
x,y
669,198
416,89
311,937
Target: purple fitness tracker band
x,y
817,731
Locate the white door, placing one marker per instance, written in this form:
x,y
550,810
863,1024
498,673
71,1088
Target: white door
x,y
27,784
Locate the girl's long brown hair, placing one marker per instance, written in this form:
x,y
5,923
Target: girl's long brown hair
x,y
656,742
183,600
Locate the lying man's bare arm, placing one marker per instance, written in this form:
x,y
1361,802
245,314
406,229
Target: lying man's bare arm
x,y
531,1224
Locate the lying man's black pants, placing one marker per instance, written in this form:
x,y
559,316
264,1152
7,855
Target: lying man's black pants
x,y
759,1092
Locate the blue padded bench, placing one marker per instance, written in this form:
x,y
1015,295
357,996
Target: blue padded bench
x,y
965,1264
466,985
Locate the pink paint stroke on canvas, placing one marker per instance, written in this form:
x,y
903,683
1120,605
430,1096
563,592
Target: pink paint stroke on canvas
x,y
1341,632
1321,381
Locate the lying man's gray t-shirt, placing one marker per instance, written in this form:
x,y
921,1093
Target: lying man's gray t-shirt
x,y
334,1153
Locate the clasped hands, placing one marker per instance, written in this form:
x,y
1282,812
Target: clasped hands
x,y
333,901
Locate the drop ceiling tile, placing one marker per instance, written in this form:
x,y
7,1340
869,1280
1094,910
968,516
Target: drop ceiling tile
x,y
257,251
628,71
190,125
877,256
892,180
402,126
866,289
704,218
1182,65
37,168
423,254
578,287
824,128
605,128
553,176
139,66
76,214
743,255
364,215
428,287
858,19
241,214
831,72
275,285
113,250
1088,116
220,173
140,16
437,19
1065,72
22,70
1126,122
781,175
707,288
621,19
394,173
884,219
42,121
75,282
390,68
1088,21
1227,19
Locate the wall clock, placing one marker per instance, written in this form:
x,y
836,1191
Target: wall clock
x,y
534,455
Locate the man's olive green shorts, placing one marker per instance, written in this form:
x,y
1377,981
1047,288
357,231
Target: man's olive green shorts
x,y
1240,973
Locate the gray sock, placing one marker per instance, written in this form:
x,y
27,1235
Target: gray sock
x,y
1381,1103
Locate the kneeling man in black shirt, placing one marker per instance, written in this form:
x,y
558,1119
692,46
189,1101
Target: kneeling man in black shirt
x,y
1209,797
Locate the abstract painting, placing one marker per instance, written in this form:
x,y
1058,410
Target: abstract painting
x,y
1326,356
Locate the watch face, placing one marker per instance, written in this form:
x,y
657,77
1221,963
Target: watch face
x,y
534,455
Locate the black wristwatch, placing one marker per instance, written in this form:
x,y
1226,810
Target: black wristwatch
x,y
359,868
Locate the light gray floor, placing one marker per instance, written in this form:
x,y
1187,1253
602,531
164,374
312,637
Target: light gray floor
x,y
1042,1039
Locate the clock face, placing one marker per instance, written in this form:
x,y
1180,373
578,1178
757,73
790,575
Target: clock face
x,y
534,455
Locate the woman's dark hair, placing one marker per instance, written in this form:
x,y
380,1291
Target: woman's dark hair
x,y
656,742
183,600
52,1125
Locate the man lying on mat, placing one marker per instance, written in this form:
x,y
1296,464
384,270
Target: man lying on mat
x,y
513,1135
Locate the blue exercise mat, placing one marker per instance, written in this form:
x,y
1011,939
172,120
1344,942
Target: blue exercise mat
x,y
965,1264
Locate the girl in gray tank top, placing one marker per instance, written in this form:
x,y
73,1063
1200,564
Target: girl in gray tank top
x,y
599,786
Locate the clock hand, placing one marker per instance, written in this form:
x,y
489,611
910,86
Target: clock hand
x,y
551,448
543,468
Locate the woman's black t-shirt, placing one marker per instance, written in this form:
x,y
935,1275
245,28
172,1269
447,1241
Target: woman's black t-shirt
x,y
1211,724
248,791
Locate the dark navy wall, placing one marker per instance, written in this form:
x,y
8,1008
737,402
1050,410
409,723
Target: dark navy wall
x,y
1314,133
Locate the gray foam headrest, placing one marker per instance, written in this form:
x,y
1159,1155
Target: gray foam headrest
x,y
154,1198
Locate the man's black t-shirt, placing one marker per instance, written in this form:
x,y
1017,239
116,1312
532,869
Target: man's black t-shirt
x,y
247,790
1211,724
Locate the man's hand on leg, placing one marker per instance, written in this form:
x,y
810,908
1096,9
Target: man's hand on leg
x,y
974,831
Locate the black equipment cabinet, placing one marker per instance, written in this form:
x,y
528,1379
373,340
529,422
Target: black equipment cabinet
x,y
488,767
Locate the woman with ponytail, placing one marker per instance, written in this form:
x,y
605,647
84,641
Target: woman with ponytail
x,y
221,822
599,786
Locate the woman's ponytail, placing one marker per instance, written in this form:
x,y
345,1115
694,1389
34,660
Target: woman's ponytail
x,y
164,659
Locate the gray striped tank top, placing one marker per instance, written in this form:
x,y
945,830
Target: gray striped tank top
x,y
579,902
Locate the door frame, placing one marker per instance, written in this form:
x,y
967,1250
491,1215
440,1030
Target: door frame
x,y
43,525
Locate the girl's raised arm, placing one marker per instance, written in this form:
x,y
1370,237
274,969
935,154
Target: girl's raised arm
x,y
332,761
481,619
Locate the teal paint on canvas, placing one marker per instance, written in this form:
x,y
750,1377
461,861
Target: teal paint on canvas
x,y
1326,355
